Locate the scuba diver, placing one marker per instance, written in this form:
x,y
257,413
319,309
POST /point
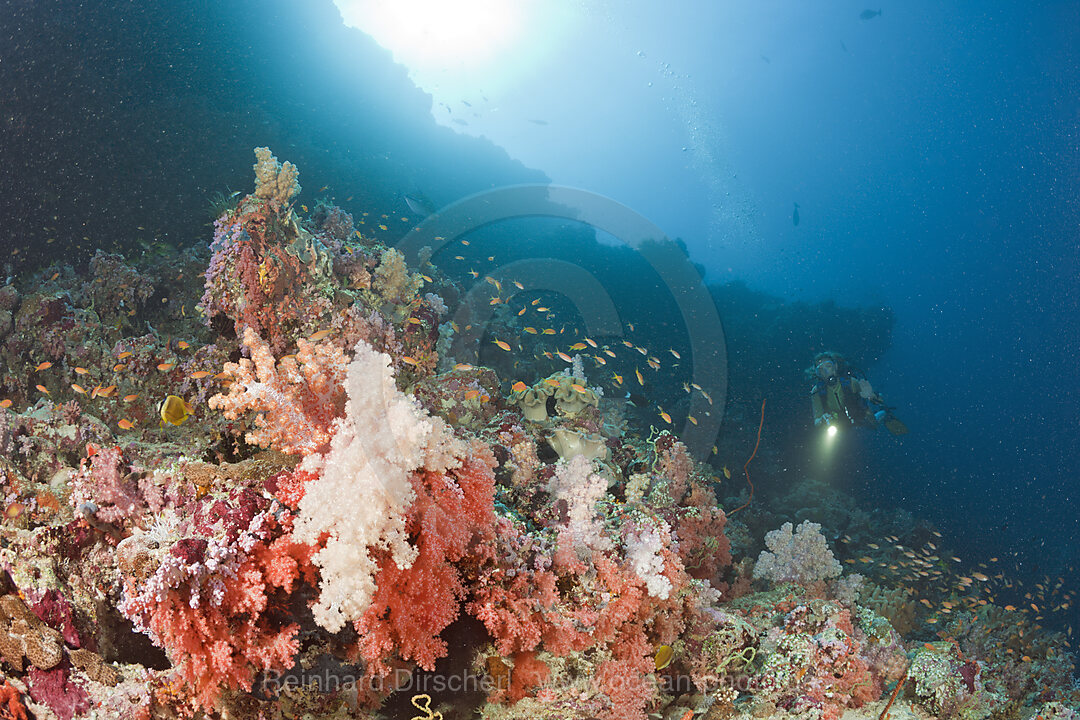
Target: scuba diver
x,y
842,396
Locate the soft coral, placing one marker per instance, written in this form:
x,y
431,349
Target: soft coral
x,y
412,605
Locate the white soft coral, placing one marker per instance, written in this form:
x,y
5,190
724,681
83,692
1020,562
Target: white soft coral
x,y
363,490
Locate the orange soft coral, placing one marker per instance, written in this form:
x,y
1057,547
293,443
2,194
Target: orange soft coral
x,y
297,398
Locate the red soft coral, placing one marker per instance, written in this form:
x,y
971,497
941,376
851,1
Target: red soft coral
x,y
703,546
254,274
412,605
627,677
11,705
513,613
528,674
226,644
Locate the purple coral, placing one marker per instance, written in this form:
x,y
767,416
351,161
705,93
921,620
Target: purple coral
x,y
801,557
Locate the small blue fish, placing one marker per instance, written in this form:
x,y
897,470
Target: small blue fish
x,y
869,14
795,215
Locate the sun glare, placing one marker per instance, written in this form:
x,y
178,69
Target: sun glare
x,y
437,34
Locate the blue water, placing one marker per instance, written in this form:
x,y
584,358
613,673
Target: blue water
x,y
933,153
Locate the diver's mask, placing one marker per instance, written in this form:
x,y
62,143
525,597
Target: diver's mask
x,y
826,370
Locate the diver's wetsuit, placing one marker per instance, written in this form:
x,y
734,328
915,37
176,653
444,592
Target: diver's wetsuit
x,y
841,398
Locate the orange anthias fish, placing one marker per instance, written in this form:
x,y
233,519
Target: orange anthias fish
x,y
100,391
519,387
43,366
502,345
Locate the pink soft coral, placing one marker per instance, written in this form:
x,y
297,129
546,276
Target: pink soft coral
x,y
297,398
55,689
101,488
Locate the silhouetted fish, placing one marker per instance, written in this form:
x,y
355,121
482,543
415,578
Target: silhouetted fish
x,y
419,204
538,122
869,14
795,215
766,59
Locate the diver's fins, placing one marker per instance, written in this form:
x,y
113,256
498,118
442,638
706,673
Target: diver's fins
x,y
893,425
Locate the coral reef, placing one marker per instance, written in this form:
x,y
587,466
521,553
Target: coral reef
x,y
349,511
